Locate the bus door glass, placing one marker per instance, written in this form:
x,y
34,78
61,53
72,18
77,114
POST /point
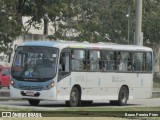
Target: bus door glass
x,y
64,64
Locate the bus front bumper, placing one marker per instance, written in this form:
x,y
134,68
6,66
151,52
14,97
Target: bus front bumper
x,y
31,94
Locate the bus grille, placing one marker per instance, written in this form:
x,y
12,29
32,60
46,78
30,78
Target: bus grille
x,y
30,87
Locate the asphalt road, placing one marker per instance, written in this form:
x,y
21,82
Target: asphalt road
x,y
56,105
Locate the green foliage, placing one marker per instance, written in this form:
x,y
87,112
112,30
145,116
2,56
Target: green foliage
x,y
151,24
97,20
9,27
81,20
94,20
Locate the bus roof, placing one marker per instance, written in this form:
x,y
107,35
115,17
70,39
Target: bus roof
x,y
86,45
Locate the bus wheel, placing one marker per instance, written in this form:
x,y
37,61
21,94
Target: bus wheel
x,y
123,96
86,103
74,98
33,102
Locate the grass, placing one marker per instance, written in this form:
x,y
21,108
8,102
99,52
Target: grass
x,y
87,113
101,109
90,109
109,108
66,118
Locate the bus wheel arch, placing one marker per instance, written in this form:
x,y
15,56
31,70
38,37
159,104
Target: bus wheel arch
x,y
75,96
123,95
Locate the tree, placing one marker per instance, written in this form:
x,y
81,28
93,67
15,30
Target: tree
x,y
99,20
151,24
40,12
92,20
10,28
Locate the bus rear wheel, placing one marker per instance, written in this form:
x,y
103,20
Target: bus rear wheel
x,y
33,102
74,98
123,96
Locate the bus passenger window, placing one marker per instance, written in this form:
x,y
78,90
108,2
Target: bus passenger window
x,y
109,60
148,61
78,60
94,62
139,61
124,61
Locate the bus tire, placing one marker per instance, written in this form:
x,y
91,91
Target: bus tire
x,y
33,102
123,96
87,103
74,98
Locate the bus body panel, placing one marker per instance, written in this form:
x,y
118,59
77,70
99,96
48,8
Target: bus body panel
x,y
101,88
101,85
65,85
139,84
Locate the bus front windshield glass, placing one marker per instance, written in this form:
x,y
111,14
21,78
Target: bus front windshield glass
x,y
35,63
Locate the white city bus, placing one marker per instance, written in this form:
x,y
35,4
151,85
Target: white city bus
x,y
80,73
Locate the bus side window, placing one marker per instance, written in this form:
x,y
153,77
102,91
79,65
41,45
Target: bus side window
x,y
109,60
78,60
64,64
130,61
94,61
124,61
139,61
149,61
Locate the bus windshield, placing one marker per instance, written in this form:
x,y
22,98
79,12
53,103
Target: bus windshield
x,y
37,63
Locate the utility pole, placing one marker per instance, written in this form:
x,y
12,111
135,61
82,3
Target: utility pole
x,y
138,39
128,16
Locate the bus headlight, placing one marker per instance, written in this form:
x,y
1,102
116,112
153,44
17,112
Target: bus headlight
x,y
51,85
12,83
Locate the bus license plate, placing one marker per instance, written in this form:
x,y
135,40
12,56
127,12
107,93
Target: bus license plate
x,y
30,93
